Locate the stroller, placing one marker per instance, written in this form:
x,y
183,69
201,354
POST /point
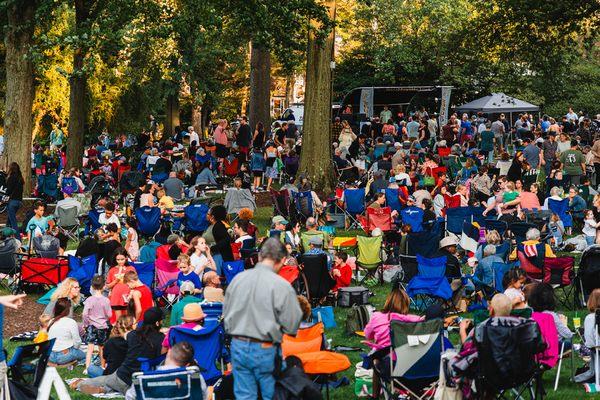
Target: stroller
x,y
588,275
130,181
99,187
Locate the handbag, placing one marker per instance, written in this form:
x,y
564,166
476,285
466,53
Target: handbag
x,y
325,315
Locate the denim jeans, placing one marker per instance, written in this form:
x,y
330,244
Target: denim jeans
x,y
94,371
11,209
60,358
253,366
218,263
590,240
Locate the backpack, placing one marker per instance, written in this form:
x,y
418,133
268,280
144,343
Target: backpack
x,y
358,317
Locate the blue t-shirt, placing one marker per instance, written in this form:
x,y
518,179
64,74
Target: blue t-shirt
x,y
467,127
192,277
545,126
41,225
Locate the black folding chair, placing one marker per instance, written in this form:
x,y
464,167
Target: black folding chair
x,y
28,364
316,275
9,263
519,230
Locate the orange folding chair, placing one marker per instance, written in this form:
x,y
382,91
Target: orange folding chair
x,y
379,218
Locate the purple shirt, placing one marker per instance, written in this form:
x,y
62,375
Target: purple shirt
x,y
96,312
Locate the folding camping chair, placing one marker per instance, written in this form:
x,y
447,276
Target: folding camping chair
x,y
316,278
409,268
492,224
194,220
28,363
303,204
236,199
83,269
146,272
455,217
67,221
369,257
519,230
392,199
533,264
93,221
425,242
9,263
148,220
430,284
559,272
309,346
46,245
588,274
379,218
281,202
213,312
209,347
354,205
180,384
46,272
166,289
412,216
508,349
231,269
561,208
417,348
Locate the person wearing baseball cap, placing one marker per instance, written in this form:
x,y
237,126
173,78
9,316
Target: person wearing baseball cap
x,y
315,244
186,289
279,223
192,318
68,201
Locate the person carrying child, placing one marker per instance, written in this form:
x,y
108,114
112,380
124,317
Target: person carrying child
x,y
96,315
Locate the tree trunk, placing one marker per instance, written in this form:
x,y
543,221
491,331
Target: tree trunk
x,y
172,117
20,89
77,111
260,86
197,119
289,91
78,91
316,161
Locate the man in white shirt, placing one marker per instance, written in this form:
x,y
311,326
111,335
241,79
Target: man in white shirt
x,y
109,216
193,135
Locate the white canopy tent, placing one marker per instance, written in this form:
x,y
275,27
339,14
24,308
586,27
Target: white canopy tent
x,y
497,103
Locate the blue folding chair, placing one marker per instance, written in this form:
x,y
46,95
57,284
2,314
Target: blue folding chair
x,y
455,217
148,220
195,218
303,203
209,347
424,243
354,205
477,215
492,224
145,271
179,383
561,208
28,363
213,312
83,269
430,284
412,216
392,199
93,221
231,269
69,182
416,365
159,177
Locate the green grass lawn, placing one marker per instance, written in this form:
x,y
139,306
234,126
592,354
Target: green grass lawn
x,y
567,389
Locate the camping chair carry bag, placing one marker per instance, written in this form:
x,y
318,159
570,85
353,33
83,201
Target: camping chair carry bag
x,y
355,295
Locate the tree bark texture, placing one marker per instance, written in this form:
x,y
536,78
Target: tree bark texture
x,y
20,89
260,86
316,160
78,91
172,116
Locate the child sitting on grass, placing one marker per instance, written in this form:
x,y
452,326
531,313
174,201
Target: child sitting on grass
x,y
42,334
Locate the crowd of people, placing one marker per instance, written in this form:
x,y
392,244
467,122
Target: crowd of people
x,y
511,173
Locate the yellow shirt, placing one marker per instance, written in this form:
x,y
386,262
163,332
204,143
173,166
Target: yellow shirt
x,y
166,202
42,336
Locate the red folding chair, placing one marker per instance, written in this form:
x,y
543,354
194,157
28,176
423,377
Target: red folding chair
x,y
559,272
379,218
47,272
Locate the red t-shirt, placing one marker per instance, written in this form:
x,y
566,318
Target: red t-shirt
x,y
120,290
345,278
146,301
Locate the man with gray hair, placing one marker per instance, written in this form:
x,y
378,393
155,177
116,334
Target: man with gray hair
x,y
260,306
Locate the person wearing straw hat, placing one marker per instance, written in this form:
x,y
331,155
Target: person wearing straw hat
x,y
192,318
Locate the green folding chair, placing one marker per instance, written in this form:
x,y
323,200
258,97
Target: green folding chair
x,y
369,258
